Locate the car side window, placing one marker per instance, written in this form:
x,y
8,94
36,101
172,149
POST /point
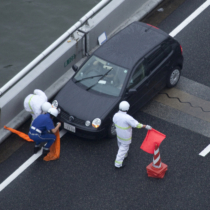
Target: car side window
x,y
167,48
151,58
155,58
138,75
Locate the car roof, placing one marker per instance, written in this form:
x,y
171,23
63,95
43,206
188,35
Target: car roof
x,y
130,44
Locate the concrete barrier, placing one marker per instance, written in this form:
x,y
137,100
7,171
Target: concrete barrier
x,y
55,70
43,76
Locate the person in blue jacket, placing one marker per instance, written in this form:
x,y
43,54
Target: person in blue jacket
x,y
43,130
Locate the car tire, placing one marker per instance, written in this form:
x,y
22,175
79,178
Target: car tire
x,y
111,131
173,77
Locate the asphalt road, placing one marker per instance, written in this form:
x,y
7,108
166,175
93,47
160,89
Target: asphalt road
x,y
85,178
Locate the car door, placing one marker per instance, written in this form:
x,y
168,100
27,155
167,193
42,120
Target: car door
x,y
138,90
159,61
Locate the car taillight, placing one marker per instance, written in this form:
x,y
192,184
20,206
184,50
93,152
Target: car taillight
x,y
152,26
181,49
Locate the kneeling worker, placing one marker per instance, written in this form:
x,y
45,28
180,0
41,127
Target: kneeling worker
x,y
124,123
43,130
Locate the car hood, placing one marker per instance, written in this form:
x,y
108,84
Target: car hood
x,y
84,104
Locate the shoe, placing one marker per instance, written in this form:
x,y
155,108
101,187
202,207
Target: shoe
x,y
36,149
120,166
45,152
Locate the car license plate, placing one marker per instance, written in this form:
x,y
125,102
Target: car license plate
x,y
69,127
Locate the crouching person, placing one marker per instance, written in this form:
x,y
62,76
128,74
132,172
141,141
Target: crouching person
x,y
43,130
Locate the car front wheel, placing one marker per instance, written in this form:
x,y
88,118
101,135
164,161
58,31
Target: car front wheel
x,y
111,131
173,77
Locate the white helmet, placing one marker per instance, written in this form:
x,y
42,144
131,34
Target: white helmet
x,y
124,106
53,111
46,106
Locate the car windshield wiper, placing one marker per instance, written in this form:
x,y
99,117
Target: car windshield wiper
x,y
88,78
99,79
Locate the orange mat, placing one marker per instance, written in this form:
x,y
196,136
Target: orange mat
x,y
54,153
21,134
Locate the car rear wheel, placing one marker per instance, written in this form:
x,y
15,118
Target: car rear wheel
x,y
173,77
111,131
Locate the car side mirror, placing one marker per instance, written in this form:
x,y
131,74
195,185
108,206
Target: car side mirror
x,y
131,91
75,68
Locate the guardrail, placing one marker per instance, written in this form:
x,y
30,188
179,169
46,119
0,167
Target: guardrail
x,y
53,46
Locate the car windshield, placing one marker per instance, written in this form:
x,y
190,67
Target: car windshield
x,y
101,76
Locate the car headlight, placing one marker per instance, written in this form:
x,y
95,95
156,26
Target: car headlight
x,y
96,123
55,104
59,110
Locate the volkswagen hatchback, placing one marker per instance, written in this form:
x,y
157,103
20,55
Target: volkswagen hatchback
x,y
133,65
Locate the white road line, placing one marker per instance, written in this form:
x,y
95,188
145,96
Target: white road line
x,y
190,18
24,166
20,170
62,133
205,151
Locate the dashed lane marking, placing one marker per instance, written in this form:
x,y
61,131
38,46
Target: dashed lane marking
x,y
205,151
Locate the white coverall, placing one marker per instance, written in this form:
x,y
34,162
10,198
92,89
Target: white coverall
x,y
33,103
124,123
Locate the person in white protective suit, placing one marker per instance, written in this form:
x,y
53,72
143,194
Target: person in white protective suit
x,y
124,123
36,103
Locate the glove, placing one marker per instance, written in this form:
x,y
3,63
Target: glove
x,y
148,127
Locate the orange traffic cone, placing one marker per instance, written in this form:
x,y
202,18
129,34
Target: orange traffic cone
x,y
156,169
